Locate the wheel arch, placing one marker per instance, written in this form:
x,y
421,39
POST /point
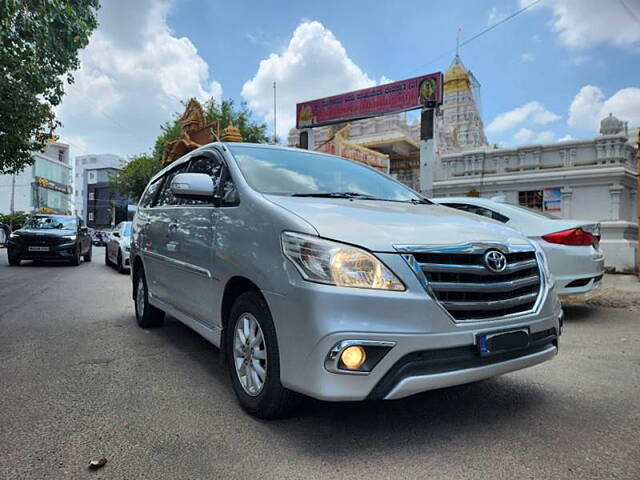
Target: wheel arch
x,y
235,287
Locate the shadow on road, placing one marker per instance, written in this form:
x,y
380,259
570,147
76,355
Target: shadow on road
x,y
581,313
327,428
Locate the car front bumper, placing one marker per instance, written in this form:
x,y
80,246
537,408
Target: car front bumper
x,y
65,251
430,350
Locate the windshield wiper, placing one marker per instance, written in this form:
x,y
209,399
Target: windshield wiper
x,y
336,195
360,196
421,201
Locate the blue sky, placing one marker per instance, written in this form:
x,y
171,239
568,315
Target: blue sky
x,y
556,67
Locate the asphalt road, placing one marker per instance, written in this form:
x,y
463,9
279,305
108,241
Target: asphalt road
x,y
79,380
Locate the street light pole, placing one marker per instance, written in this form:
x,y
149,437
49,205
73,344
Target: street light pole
x,y
274,113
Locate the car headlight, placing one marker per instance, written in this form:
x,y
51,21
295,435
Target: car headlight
x,y
334,263
14,235
544,265
69,237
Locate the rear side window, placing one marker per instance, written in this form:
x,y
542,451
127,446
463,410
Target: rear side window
x,y
485,212
150,194
165,197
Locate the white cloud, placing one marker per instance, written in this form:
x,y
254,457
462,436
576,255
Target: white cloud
x,y
526,135
566,138
133,75
590,106
546,136
523,135
584,23
314,64
533,112
527,57
496,15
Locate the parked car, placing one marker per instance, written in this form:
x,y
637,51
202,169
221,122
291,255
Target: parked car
x,y
572,246
322,276
117,244
50,237
98,238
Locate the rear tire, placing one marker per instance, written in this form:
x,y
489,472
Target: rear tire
x,y
89,254
147,315
271,400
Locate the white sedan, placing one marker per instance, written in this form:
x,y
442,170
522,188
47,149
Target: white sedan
x,y
572,246
116,249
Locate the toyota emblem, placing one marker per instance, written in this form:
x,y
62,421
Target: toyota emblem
x,y
495,261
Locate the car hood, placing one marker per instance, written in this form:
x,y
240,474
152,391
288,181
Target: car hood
x,y
379,226
41,232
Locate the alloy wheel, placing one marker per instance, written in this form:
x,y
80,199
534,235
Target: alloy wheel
x,y
250,354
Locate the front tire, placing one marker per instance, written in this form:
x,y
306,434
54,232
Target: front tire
x,y
75,261
14,261
121,268
147,315
251,348
89,254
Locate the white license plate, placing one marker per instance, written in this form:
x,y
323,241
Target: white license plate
x,y
38,249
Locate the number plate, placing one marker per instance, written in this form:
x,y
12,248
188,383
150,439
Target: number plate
x,y
38,249
503,341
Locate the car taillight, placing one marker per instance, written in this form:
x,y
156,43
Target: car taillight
x,y
574,236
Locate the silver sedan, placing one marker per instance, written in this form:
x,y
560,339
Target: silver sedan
x,y
116,251
572,247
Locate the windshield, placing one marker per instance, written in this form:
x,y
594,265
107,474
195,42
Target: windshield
x,y
126,229
50,223
287,172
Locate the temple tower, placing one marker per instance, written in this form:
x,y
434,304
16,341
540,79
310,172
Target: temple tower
x,y
459,125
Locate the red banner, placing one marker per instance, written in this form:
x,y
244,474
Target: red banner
x,y
401,96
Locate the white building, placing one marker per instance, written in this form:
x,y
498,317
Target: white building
x,y
85,173
44,187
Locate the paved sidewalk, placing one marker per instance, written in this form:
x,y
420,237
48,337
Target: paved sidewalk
x,y
617,291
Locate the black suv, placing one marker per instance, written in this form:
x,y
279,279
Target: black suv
x,y
50,237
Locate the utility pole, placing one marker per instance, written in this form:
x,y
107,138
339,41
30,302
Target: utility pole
x,y
275,138
13,193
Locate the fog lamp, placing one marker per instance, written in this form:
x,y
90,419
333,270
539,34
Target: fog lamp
x,y
353,357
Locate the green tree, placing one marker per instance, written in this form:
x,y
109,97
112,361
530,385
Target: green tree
x,y
226,112
134,176
15,219
39,44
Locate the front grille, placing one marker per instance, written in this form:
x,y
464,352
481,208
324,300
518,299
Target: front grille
x,y
468,290
41,240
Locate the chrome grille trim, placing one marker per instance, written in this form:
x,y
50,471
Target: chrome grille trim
x,y
468,291
494,287
477,269
491,305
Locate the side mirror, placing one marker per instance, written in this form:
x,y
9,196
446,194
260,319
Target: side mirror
x,y
192,185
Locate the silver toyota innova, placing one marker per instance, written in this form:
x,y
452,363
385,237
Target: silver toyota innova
x,y
317,275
